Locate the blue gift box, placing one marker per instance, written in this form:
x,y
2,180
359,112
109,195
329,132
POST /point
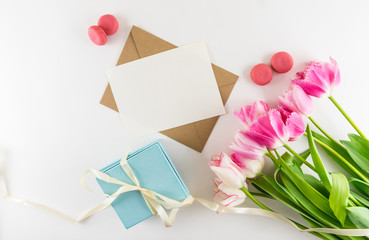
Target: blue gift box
x,y
154,171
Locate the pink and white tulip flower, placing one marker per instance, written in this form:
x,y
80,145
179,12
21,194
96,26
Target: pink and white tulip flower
x,y
275,130
270,130
251,167
294,123
226,170
319,79
249,114
227,196
297,100
246,147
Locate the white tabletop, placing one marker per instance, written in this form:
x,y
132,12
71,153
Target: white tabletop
x,y
52,126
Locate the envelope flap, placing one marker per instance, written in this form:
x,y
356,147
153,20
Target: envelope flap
x,y
224,77
148,44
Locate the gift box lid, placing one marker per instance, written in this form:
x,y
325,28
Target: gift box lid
x,y
155,171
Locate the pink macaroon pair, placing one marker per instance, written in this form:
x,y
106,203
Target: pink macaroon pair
x,y
107,25
262,74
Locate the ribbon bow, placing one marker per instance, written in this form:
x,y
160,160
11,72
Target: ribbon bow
x,y
158,203
155,201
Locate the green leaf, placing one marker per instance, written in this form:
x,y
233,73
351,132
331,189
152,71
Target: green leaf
x,y
266,185
315,183
340,150
361,186
287,158
361,144
290,160
269,186
316,197
307,204
277,185
324,235
318,164
359,216
339,196
356,155
304,155
363,200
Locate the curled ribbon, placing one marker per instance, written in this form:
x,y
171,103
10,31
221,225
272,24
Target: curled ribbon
x,y
261,212
157,203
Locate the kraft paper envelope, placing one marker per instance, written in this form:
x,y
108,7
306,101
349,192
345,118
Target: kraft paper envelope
x,y
141,44
166,90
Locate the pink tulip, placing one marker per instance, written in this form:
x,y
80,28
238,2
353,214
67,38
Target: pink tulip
x,y
227,171
277,128
319,79
270,130
246,147
294,123
249,114
297,100
227,196
251,167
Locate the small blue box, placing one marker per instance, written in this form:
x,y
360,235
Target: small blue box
x,y
154,171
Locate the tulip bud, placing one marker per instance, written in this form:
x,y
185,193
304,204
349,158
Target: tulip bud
x,y
227,171
227,196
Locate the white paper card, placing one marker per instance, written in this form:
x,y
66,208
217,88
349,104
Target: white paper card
x,y
166,90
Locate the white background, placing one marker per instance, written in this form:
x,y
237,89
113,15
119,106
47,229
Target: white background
x,y
52,77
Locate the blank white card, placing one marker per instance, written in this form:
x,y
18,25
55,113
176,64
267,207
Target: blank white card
x,y
166,90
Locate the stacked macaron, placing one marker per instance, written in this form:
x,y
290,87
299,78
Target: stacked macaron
x,y
262,74
107,25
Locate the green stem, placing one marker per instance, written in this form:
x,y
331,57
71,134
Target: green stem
x,y
268,209
255,200
350,202
324,132
364,178
354,200
272,157
346,116
299,157
261,195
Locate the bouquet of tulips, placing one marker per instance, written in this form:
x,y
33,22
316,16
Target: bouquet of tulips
x,y
328,200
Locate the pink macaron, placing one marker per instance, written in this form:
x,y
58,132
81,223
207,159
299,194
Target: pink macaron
x,y
282,62
97,35
261,74
109,23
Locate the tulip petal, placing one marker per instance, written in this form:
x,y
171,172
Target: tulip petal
x,y
318,79
334,73
296,126
303,102
278,126
227,171
261,139
246,146
310,88
249,114
231,200
228,196
251,167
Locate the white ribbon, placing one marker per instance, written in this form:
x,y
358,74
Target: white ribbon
x,y
156,202
261,212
